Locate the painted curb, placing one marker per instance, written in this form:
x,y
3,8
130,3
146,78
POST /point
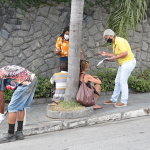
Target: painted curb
x,y
63,125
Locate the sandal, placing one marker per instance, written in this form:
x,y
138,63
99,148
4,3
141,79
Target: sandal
x,y
98,107
120,104
109,102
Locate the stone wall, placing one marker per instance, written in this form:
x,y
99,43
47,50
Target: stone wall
x,y
29,39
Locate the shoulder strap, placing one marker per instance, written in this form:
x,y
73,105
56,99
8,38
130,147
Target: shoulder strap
x,y
83,77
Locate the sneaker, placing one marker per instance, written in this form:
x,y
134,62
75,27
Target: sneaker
x,y
109,102
8,138
19,135
2,117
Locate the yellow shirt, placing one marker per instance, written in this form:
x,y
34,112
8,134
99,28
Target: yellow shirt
x,y
64,46
121,45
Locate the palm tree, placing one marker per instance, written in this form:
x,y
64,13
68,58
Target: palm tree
x,y
126,15
74,49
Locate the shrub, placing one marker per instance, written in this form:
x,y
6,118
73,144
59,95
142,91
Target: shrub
x,y
140,82
43,87
8,94
108,78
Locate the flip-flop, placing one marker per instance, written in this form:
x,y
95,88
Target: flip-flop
x,y
100,107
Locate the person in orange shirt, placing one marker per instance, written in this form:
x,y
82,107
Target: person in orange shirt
x,y
62,45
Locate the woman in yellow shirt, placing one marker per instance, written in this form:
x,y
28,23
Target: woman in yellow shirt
x,y
62,46
122,52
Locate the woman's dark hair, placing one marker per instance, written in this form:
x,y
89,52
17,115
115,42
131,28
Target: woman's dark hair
x,y
83,64
64,66
66,29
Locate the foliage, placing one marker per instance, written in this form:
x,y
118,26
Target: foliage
x,y
125,15
108,78
8,94
43,89
140,82
67,106
26,4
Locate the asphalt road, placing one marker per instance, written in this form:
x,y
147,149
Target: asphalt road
x,y
132,134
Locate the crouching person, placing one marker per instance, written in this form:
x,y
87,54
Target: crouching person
x,y
60,79
24,83
84,65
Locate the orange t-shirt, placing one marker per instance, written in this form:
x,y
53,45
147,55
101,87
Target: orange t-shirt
x,y
64,46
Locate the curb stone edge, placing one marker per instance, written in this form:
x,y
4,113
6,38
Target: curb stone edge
x,y
81,122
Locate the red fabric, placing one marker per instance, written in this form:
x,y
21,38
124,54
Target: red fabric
x,y
9,87
16,73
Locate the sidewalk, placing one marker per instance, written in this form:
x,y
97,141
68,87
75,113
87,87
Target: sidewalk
x,y
37,122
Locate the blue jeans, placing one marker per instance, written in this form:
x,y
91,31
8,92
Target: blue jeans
x,y
121,81
63,59
22,97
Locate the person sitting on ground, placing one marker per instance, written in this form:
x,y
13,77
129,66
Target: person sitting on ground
x,y
60,79
24,83
84,65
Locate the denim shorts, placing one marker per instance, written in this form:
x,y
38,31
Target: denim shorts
x,y
22,97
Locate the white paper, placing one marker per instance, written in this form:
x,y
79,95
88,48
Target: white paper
x,y
105,59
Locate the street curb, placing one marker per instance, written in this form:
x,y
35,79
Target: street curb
x,y
87,111
81,122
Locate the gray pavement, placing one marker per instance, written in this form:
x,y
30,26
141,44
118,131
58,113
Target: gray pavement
x,y
132,134
36,115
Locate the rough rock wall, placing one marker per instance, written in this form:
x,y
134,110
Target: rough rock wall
x,y
29,39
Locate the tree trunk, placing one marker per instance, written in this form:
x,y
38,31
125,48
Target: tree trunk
x,y
74,49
